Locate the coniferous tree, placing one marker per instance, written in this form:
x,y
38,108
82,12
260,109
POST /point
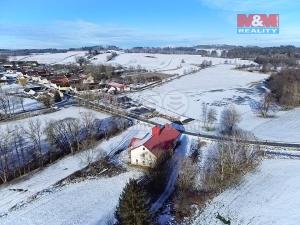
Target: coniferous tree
x,y
133,208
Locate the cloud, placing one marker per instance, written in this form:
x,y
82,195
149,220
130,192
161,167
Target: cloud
x,y
64,34
251,5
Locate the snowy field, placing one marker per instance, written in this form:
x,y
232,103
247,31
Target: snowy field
x,y
52,58
98,197
165,63
90,202
221,86
71,112
269,196
28,104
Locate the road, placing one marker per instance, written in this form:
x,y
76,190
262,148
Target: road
x,y
117,112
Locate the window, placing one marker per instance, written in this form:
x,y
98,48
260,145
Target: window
x,y
144,149
143,162
137,161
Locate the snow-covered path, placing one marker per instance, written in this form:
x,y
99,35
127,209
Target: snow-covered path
x,y
177,159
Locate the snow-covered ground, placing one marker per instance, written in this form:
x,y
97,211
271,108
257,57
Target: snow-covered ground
x,y
28,104
90,202
98,192
165,63
269,196
71,112
52,58
221,86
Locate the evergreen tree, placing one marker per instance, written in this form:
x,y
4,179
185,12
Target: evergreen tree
x,y
57,97
133,208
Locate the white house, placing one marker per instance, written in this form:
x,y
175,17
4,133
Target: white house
x,y
146,151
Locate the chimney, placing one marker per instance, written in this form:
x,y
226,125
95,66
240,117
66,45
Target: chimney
x,y
156,130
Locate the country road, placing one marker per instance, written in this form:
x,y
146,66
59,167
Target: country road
x,y
124,114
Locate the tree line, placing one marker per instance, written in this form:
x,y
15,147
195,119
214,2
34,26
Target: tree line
x,y
26,147
285,86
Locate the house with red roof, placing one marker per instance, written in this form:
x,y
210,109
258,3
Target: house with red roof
x,y
117,87
147,150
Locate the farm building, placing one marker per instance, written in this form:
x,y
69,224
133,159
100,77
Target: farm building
x,y
146,151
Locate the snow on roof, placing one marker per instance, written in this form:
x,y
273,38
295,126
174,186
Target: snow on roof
x,y
162,138
116,85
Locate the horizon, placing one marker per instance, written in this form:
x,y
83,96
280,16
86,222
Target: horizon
x,y
67,24
210,46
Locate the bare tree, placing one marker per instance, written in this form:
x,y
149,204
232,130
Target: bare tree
x,y
9,103
81,61
4,156
87,120
187,177
34,134
20,101
229,120
266,104
204,114
64,134
211,117
230,160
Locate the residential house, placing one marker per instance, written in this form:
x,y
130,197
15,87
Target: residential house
x,y
146,151
117,87
88,80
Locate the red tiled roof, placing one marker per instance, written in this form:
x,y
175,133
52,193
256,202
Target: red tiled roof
x,y
134,141
116,85
163,140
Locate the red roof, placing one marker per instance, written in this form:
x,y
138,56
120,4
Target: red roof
x,y
134,141
162,138
116,85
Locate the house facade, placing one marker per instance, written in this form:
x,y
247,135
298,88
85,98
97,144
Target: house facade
x,y
146,151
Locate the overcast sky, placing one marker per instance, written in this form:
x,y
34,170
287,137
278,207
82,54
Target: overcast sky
x,y
128,23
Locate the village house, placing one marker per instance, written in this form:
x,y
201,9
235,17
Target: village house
x,y
88,80
146,151
117,87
